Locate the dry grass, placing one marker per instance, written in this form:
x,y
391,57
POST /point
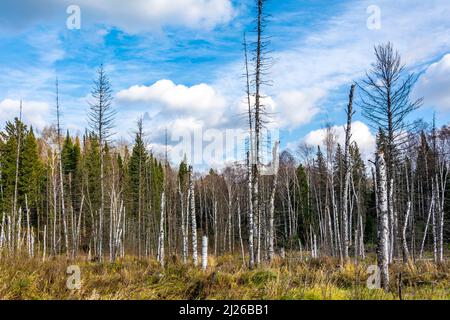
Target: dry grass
x,y
23,278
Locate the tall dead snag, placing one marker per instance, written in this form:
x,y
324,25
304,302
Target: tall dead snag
x,y
251,227
441,178
101,120
262,66
386,104
250,156
61,180
258,126
193,217
383,220
272,204
348,170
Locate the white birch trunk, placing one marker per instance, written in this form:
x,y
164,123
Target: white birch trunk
x,y
272,204
161,230
405,226
193,217
183,225
347,164
204,253
383,221
44,252
251,226
2,232
241,242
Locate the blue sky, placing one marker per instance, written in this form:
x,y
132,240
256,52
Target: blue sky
x,y
180,62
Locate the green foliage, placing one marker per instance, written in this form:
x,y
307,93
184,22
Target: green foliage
x,y
30,167
303,195
137,170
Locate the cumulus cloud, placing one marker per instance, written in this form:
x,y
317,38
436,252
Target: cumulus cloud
x,y
434,85
33,112
141,15
361,134
186,112
295,108
200,98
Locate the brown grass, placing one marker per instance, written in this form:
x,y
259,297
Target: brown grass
x,y
130,278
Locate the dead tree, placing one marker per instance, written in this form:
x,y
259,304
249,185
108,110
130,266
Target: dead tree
x,y
161,237
260,68
385,102
348,169
183,223
101,120
193,216
383,220
61,180
272,204
250,156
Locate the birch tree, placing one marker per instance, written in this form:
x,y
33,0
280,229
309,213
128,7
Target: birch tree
x,y
383,220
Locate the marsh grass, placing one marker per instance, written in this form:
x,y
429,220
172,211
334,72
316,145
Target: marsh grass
x,y
130,278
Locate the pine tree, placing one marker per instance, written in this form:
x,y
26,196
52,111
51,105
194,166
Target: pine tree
x,y
136,180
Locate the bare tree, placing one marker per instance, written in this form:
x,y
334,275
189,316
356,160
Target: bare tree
x,y
61,180
347,168
101,120
386,104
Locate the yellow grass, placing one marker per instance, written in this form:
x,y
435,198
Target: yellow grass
x,y
130,278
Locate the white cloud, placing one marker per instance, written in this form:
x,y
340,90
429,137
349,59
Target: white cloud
x,y
33,112
130,16
295,108
182,110
360,134
434,85
199,98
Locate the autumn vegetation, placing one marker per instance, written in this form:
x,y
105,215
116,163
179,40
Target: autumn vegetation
x,y
134,222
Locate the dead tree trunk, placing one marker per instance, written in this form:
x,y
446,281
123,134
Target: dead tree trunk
x,y
161,229
183,224
251,227
347,166
193,216
383,221
272,204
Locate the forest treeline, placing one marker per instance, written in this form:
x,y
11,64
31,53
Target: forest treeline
x,y
69,195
